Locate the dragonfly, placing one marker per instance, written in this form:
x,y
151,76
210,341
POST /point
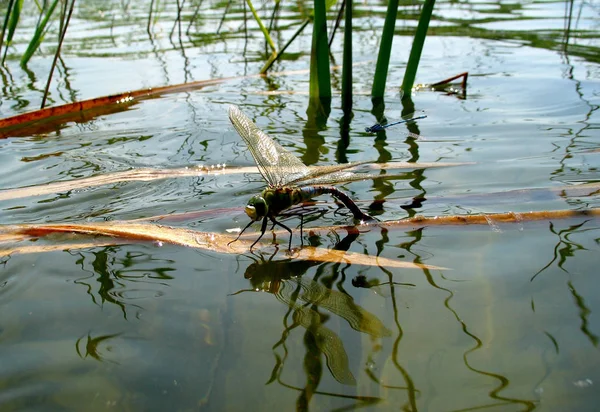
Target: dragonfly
x,y
377,127
290,182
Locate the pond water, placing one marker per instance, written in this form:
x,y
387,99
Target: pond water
x,y
509,323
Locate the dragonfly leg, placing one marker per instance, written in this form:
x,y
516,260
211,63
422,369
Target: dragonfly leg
x,y
272,230
240,234
263,229
301,227
275,222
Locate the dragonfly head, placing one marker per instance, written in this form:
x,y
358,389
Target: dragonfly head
x,y
257,208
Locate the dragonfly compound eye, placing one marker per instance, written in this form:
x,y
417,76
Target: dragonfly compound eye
x,y
256,208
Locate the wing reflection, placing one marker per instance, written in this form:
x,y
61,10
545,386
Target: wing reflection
x,y
122,277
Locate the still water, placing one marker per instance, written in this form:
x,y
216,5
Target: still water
x,y
510,323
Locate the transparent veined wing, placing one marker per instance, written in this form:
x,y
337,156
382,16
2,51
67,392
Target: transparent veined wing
x,y
329,174
390,121
277,165
280,167
342,176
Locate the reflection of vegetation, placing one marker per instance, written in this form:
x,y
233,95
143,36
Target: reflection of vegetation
x,y
565,248
113,275
305,298
416,177
311,303
584,312
503,381
46,10
92,346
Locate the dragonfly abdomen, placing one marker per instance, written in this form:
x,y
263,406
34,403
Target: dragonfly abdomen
x,y
341,196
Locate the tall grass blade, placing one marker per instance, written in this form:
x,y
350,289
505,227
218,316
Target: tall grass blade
x,y
275,56
337,22
38,36
261,25
417,48
320,76
347,64
60,42
13,20
5,25
385,50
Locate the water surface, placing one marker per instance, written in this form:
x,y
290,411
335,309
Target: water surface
x,y
511,324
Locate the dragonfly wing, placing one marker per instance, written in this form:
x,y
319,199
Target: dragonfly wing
x,y
316,172
340,177
277,165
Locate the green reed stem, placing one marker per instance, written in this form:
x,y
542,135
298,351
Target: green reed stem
x,y
417,48
337,22
13,20
63,33
347,60
385,50
275,56
274,15
320,76
5,25
261,25
38,36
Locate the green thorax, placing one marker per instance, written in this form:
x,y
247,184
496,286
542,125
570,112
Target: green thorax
x,y
282,198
